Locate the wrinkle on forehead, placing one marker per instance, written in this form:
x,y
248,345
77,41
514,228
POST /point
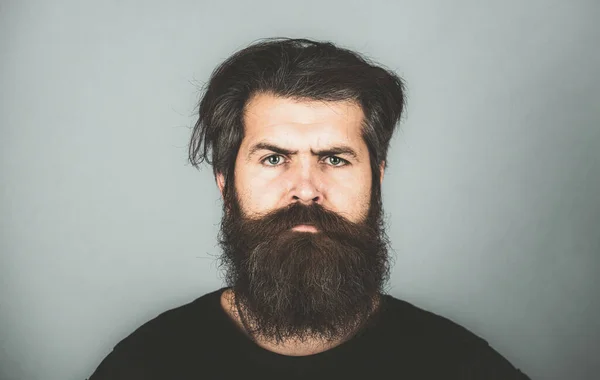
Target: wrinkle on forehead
x,y
329,123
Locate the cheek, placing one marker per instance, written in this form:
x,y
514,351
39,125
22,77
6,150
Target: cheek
x,y
351,195
258,193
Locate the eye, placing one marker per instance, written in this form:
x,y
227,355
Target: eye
x,y
273,160
336,161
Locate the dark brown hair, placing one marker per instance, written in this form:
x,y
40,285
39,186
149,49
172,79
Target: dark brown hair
x,y
298,69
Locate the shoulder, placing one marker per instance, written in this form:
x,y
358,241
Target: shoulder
x,y
169,337
424,325
174,324
446,342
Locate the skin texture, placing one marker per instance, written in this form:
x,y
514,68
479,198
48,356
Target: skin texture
x,y
267,178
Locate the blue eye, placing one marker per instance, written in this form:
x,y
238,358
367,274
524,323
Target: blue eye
x,y
277,160
336,161
273,160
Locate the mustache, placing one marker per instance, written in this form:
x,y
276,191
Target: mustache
x,y
298,213
279,221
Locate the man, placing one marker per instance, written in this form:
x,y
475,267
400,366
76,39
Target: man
x,y
297,132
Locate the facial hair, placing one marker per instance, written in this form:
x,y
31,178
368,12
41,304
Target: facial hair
x,y
300,285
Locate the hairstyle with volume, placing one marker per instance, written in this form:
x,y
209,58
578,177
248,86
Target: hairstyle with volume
x,y
300,69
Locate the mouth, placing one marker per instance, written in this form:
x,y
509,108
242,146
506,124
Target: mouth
x,y
305,228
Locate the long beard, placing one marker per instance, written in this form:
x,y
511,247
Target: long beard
x,y
300,285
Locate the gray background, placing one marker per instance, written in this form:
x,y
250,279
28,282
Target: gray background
x,y
492,188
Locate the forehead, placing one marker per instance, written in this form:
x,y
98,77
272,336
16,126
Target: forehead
x,y
302,122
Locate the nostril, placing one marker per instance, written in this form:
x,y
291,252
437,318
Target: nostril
x,y
313,200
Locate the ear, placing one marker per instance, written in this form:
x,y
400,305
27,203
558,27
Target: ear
x,y
381,171
220,182
220,178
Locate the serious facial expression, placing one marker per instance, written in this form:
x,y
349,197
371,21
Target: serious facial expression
x,y
303,151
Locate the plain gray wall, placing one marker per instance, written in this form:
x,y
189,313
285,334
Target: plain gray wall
x,y
492,187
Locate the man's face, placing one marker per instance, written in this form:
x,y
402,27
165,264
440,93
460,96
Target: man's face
x,y
328,161
303,243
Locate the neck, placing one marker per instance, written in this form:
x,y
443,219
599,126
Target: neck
x,y
290,346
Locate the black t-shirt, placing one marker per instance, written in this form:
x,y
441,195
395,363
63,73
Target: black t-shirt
x,y
200,341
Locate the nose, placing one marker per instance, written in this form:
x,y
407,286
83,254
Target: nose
x,y
304,188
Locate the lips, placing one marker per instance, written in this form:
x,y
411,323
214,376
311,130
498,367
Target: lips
x,y
305,228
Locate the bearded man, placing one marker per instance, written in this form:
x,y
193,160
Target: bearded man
x,y
297,132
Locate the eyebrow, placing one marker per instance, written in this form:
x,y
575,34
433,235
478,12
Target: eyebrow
x,y
331,151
